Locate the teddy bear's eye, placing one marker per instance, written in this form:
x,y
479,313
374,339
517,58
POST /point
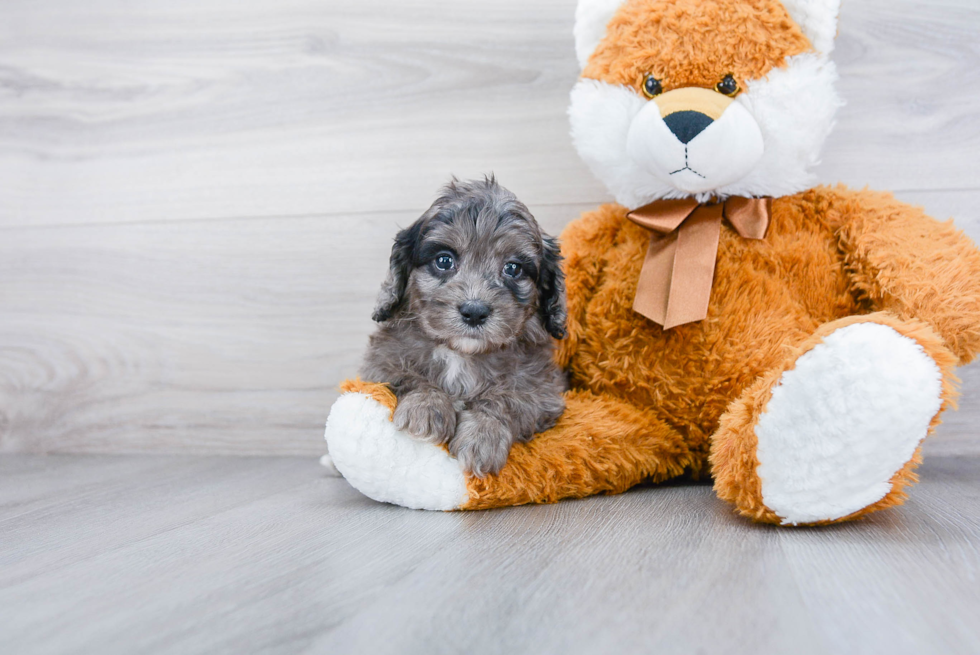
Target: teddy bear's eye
x,y
728,86
652,86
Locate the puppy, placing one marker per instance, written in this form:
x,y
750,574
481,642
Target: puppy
x,y
473,296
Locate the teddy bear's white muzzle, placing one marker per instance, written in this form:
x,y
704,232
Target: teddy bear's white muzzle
x,y
693,152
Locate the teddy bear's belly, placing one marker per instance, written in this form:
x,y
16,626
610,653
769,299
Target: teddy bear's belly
x,y
766,295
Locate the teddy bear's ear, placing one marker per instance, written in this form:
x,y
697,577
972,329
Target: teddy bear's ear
x,y
817,19
591,18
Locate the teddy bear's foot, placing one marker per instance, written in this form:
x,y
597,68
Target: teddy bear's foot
x,y
834,433
387,464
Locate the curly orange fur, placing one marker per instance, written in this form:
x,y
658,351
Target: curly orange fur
x,y
600,445
695,42
380,392
707,382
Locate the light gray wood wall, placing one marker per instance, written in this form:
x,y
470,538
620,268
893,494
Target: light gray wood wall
x,y
197,198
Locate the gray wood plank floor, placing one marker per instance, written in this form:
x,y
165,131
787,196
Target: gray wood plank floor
x,y
168,554
198,198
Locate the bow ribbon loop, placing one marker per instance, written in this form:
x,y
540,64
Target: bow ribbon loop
x,y
675,283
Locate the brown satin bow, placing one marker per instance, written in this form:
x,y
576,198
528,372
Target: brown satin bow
x,y
675,283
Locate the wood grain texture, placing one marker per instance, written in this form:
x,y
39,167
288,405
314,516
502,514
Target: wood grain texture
x,y
198,197
121,112
229,555
225,336
214,109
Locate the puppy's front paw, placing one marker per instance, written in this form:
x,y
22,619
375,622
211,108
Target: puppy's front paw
x,y
482,443
428,414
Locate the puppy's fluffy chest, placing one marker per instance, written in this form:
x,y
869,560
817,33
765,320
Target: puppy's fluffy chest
x,y
457,373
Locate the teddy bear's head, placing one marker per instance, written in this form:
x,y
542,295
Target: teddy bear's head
x,y
703,98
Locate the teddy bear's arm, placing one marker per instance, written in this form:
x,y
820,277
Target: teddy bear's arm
x,y
905,262
583,244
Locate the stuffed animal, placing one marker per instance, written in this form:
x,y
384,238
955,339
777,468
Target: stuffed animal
x,y
725,318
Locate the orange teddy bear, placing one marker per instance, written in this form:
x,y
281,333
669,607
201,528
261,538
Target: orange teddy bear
x,y
795,343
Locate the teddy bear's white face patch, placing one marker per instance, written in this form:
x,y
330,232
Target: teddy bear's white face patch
x,y
693,151
764,144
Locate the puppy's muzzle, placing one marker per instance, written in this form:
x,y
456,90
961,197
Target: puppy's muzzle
x,y
474,312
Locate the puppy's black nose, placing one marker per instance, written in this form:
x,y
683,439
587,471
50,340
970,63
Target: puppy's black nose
x,y
687,124
474,312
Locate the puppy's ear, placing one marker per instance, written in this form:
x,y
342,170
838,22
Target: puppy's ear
x,y
400,266
551,289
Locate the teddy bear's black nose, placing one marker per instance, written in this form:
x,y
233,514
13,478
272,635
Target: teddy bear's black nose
x,y
474,312
687,124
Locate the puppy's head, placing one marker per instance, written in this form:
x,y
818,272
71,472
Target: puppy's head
x,y
476,272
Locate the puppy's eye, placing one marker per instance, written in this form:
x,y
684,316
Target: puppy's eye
x,y
445,262
513,269
728,86
652,86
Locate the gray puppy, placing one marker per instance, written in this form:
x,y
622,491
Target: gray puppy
x,y
474,294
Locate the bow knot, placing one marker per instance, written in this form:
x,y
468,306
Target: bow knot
x,y
675,283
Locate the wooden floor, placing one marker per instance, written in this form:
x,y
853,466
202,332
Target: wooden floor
x,y
166,554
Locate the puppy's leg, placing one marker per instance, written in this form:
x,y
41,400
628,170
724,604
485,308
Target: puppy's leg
x,y
489,427
482,442
427,413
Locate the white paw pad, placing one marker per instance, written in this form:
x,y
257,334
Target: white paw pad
x,y
843,421
388,465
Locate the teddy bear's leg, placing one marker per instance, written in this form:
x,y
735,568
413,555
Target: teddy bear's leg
x,y
833,433
600,445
